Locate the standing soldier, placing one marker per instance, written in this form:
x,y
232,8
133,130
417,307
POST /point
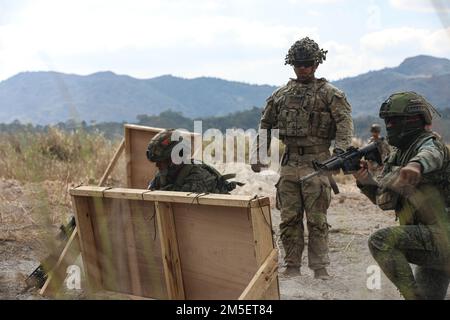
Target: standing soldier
x,y
415,182
384,148
309,113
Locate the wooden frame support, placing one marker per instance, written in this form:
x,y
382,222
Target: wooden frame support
x,y
263,279
56,278
170,253
112,163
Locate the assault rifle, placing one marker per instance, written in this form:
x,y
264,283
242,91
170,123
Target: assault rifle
x,y
348,161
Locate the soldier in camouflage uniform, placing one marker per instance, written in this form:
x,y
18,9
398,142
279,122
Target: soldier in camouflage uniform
x,y
384,148
415,182
195,176
309,113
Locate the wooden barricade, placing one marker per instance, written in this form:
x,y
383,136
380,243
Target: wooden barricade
x,y
173,245
168,245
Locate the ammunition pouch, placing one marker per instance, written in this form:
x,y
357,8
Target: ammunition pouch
x,y
387,200
298,118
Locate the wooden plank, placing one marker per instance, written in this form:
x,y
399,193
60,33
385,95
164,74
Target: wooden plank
x,y
111,295
57,276
112,163
216,250
127,222
170,253
263,279
264,244
205,199
148,249
128,158
122,193
87,242
172,196
88,191
143,128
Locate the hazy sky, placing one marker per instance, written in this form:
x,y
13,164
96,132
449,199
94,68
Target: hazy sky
x,y
243,40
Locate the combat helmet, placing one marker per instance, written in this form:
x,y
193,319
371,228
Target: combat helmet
x,y
161,146
407,104
375,128
305,49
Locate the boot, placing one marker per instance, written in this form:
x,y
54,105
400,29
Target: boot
x,y
321,274
291,271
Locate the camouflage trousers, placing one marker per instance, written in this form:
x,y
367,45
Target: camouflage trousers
x,y
293,200
395,248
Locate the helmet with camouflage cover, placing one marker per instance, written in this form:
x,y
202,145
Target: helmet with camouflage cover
x,y
161,146
405,104
375,128
305,49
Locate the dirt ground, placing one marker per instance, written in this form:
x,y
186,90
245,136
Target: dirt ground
x,y
24,238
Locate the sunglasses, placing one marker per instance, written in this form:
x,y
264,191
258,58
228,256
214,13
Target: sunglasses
x,y
305,64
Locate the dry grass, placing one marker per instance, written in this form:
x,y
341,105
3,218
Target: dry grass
x,y
36,172
56,156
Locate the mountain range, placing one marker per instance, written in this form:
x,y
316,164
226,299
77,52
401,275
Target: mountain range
x,y
51,97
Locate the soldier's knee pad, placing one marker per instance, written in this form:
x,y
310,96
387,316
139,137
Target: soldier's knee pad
x,y
378,241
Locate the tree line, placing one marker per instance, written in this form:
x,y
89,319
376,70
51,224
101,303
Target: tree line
x,y
170,119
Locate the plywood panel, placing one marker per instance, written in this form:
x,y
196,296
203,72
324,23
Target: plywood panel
x,y
148,249
262,233
216,249
139,170
129,253
85,216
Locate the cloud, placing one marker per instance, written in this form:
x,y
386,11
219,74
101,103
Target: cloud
x,y
422,5
344,60
62,29
435,42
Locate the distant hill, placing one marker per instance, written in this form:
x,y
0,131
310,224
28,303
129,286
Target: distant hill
x,y
426,75
51,97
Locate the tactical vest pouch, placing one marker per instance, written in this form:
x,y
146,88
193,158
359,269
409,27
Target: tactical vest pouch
x,y
324,128
293,120
315,122
387,200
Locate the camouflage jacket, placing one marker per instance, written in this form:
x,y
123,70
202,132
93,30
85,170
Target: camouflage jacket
x,y
309,114
195,177
426,203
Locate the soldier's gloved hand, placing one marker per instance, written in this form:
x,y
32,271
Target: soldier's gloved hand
x,y
410,175
363,175
336,151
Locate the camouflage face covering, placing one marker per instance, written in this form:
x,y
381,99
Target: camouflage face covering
x,y
304,50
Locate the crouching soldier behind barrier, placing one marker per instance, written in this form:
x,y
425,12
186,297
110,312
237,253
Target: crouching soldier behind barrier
x,y
194,176
415,182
